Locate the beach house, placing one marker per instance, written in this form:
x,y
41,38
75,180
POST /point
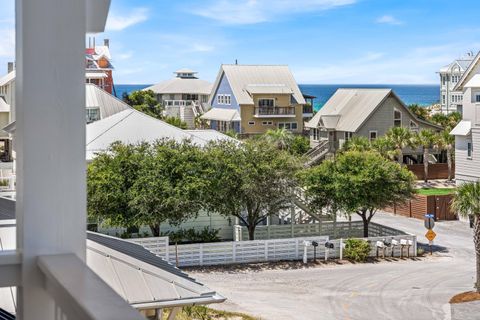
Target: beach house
x,y
185,96
451,99
467,132
250,99
366,113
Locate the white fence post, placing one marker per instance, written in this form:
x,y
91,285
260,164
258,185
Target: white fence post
x,y
167,247
296,248
341,249
234,251
201,254
266,250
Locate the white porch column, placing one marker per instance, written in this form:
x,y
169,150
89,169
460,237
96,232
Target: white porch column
x,y
50,133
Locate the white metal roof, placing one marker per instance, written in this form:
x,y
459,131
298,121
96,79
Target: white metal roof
x,y
141,278
96,75
182,85
268,89
220,114
132,127
4,107
351,107
468,74
108,104
210,135
185,70
9,77
463,128
474,82
240,77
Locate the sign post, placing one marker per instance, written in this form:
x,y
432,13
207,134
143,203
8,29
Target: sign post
x,y
430,235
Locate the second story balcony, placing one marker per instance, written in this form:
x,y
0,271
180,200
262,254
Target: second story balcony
x,y
307,110
274,112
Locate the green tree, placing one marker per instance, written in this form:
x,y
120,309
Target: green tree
x,y
440,119
281,138
419,111
300,145
467,202
145,101
400,138
426,139
177,122
133,185
357,143
385,147
251,180
359,182
445,141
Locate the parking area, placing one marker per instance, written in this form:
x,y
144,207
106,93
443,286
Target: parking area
x,y
389,290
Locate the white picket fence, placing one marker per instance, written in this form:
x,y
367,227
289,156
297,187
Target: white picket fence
x,y
335,230
222,253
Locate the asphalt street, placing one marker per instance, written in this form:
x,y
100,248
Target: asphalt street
x,y
402,289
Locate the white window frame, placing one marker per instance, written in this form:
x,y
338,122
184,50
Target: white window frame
x,y
87,115
227,99
477,98
267,123
290,125
370,135
251,123
401,117
315,134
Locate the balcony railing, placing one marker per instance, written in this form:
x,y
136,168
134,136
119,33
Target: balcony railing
x,y
177,103
307,109
275,111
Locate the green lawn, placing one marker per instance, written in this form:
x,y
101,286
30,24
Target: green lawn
x,y
435,191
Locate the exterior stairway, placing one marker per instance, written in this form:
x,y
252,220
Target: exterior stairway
x,y
302,204
318,153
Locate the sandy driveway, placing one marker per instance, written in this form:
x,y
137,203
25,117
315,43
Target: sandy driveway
x,y
406,290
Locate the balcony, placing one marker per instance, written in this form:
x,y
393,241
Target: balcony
x,y
177,103
307,110
274,112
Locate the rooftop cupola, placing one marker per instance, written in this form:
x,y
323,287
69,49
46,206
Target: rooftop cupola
x,y
186,74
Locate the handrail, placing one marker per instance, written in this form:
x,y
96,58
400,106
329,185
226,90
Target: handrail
x,y
80,293
276,111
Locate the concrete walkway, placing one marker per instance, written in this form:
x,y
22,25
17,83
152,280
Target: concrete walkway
x,y
404,290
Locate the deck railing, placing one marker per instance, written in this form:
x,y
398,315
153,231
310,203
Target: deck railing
x,y
177,103
307,109
275,111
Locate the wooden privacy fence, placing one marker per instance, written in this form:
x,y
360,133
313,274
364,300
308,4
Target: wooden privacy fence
x,y
334,230
420,205
222,253
435,171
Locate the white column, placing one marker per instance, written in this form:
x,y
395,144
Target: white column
x,y
50,133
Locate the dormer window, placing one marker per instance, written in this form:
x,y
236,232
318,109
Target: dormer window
x,y
397,118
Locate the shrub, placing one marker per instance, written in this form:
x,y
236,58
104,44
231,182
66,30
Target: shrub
x,y
356,250
194,236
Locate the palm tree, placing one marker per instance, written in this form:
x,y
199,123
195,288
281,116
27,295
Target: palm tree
x,y
400,137
446,142
385,147
357,144
426,139
466,201
279,137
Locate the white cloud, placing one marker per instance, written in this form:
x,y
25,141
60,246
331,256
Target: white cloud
x,y
389,19
257,11
7,45
118,22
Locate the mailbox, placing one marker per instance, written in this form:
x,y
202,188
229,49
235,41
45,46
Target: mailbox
x,y
380,244
315,243
394,242
329,245
387,243
403,242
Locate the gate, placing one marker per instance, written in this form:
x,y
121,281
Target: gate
x,y
442,208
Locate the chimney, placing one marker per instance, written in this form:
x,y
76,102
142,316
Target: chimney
x,y
9,67
106,43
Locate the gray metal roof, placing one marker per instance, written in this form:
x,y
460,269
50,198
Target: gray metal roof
x,y
7,209
468,74
108,105
249,79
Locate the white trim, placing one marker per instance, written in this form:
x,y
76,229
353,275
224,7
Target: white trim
x,y
272,99
370,135
401,117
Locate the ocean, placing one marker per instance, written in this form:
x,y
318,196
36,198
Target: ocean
x,y
423,95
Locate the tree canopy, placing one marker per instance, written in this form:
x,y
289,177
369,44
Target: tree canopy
x,y
359,182
250,181
145,101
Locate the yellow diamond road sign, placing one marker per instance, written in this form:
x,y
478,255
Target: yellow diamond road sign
x,y
430,235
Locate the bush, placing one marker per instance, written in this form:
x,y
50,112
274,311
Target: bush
x,y
356,250
193,236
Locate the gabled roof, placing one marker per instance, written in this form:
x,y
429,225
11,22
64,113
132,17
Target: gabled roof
x,y
463,63
348,109
258,78
9,77
463,128
468,74
132,127
182,85
108,104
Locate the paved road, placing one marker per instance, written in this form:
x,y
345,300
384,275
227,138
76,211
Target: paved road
x,y
406,290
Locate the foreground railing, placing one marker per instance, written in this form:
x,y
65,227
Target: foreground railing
x,y
79,293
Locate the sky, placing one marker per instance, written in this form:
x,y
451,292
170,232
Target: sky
x,y
323,41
